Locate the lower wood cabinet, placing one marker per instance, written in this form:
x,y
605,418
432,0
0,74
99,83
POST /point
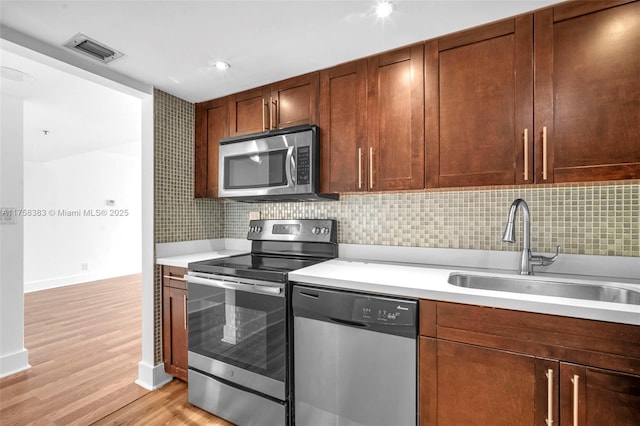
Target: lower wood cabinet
x,y
481,366
174,321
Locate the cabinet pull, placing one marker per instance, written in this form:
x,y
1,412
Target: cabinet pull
x,y
272,109
359,168
576,382
549,420
526,154
544,153
371,167
264,120
174,277
184,305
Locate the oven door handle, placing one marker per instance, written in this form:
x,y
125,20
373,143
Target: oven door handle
x,y
232,285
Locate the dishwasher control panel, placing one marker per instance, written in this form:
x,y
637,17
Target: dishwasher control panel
x,y
383,311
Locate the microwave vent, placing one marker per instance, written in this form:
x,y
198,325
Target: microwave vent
x,y
92,48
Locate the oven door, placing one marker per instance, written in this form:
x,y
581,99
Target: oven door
x,y
237,331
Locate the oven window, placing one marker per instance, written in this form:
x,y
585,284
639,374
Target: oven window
x,y
239,328
255,170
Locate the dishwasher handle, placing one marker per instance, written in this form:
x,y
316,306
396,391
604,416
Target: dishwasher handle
x,y
350,323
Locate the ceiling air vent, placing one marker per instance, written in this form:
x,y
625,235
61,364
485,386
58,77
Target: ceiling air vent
x,y
87,46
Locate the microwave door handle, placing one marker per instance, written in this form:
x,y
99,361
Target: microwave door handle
x,y
260,289
291,170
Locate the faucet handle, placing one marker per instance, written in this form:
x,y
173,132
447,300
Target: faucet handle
x,y
541,260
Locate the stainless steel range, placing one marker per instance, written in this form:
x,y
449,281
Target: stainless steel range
x,y
239,317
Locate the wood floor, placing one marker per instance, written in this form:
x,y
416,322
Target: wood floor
x,y
84,347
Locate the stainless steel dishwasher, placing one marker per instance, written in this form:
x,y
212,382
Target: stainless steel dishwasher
x,y
354,359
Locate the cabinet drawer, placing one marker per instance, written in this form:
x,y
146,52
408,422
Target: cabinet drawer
x,y
173,276
597,343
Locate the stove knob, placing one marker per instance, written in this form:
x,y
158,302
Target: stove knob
x,y
252,229
258,228
315,230
325,231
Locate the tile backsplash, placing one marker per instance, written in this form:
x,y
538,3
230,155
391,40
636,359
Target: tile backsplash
x,y
599,219
178,216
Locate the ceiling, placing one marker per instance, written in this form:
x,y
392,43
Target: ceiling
x,y
65,115
171,45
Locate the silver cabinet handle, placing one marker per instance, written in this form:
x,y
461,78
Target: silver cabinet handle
x,y
174,277
371,167
549,420
544,153
184,305
576,383
264,120
273,110
359,168
526,154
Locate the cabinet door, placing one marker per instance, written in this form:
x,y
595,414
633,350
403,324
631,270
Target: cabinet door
x,y
592,396
469,385
174,317
479,116
587,91
212,124
343,115
248,111
294,101
396,119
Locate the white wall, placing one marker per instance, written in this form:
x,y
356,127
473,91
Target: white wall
x,y
72,243
13,355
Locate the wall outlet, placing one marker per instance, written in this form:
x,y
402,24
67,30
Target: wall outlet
x,y
85,266
254,215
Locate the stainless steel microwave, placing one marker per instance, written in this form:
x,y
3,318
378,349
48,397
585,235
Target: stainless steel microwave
x,y
279,165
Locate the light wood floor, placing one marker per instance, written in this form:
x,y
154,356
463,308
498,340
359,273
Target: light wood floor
x,y
84,347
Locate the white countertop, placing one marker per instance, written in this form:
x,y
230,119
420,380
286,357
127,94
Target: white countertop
x,y
404,272
183,260
430,282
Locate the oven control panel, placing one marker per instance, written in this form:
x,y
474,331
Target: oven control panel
x,y
303,230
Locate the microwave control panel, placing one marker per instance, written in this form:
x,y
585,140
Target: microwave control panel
x,y
303,155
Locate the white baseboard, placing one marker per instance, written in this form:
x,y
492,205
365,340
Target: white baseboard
x,y
152,378
30,286
14,363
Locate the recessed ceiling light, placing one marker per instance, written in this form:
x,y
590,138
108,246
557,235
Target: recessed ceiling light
x,y
384,8
221,65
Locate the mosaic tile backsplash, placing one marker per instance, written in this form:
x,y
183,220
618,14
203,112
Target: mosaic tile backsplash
x,y
599,219
178,216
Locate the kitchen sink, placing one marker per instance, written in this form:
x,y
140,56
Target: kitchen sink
x,y
549,287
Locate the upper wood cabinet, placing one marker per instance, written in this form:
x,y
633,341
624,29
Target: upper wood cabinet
x,y
587,91
372,123
485,126
479,94
211,125
343,127
249,111
284,104
395,117
552,96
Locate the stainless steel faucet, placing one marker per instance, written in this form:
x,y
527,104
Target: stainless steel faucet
x,y
527,260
